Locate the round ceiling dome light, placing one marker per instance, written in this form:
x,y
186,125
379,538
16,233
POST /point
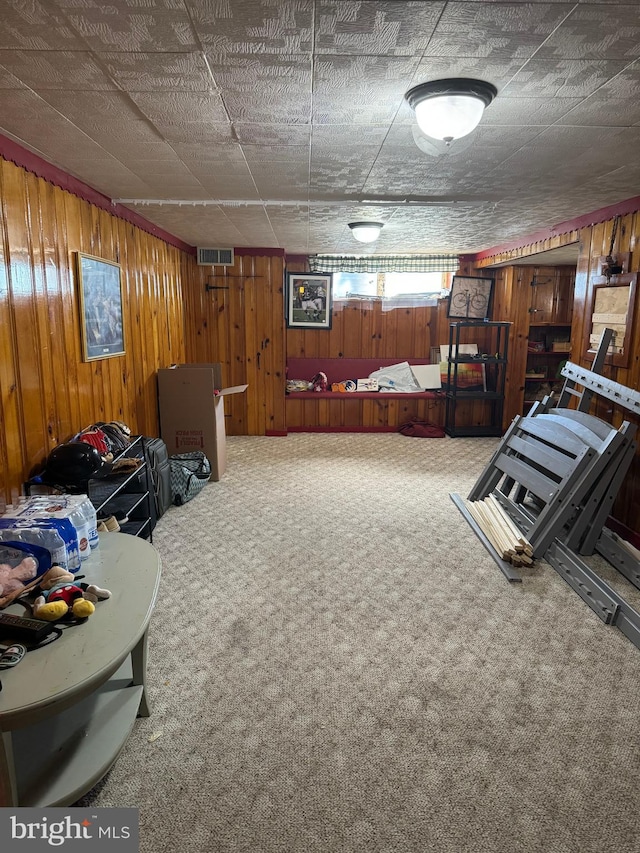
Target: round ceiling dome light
x,y
366,232
450,109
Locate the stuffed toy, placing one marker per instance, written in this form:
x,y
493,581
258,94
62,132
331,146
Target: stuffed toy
x,y
12,577
61,596
319,382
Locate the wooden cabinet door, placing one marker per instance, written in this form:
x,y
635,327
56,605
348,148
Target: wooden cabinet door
x,y
552,296
543,299
564,298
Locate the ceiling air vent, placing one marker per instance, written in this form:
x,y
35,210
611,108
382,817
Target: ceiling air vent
x,y
215,257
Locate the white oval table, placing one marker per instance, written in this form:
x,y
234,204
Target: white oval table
x,y
67,709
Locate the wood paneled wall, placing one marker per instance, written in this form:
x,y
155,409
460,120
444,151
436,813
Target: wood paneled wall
x,y
361,329
239,321
47,393
513,298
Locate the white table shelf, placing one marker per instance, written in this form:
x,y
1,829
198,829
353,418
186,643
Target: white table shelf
x,y
67,709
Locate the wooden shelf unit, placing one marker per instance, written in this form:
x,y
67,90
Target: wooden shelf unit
x,y
550,313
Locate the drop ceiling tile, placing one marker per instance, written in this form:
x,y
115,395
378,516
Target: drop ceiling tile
x,y
295,187
97,109
364,108
336,138
625,84
195,154
293,135
614,104
385,28
9,80
269,106
27,116
56,69
227,157
197,226
603,111
564,157
158,72
278,157
564,78
247,27
495,30
385,74
128,151
265,89
166,188
246,73
527,111
178,107
31,26
347,180
149,169
596,32
363,157
228,186
114,186
131,25
552,145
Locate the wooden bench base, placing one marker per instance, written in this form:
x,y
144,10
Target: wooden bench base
x,y
355,411
361,411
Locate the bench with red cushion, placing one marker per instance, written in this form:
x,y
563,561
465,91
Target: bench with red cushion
x,y
340,369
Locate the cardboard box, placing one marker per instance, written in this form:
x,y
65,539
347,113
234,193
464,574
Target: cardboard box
x,y
191,400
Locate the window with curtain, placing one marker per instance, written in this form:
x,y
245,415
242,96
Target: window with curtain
x,y
418,288
396,280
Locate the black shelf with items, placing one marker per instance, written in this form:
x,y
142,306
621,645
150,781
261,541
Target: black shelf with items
x,y
127,496
476,382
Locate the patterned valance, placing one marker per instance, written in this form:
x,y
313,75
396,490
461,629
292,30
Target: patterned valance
x,y
384,263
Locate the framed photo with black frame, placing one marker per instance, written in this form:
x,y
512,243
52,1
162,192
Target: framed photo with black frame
x,y
100,295
308,303
470,298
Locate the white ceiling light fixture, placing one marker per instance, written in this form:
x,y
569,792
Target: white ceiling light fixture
x,y
366,232
450,109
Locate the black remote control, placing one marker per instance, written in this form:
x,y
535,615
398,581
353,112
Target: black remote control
x,y
23,628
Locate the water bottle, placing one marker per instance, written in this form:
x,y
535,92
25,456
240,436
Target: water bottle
x,y
44,537
88,511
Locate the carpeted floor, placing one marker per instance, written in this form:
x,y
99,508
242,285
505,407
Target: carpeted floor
x,y
336,664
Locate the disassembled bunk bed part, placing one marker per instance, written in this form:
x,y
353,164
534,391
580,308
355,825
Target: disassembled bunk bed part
x,y
556,474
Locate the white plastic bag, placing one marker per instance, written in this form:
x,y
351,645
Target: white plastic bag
x,y
396,377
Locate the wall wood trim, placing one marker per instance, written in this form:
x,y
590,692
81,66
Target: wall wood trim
x,y
47,393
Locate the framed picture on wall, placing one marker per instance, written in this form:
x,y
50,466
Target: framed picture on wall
x,y
612,303
470,298
308,302
100,295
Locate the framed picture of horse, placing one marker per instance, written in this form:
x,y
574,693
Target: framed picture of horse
x,y
308,302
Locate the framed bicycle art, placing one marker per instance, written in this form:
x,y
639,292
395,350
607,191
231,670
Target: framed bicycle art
x,y
470,298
